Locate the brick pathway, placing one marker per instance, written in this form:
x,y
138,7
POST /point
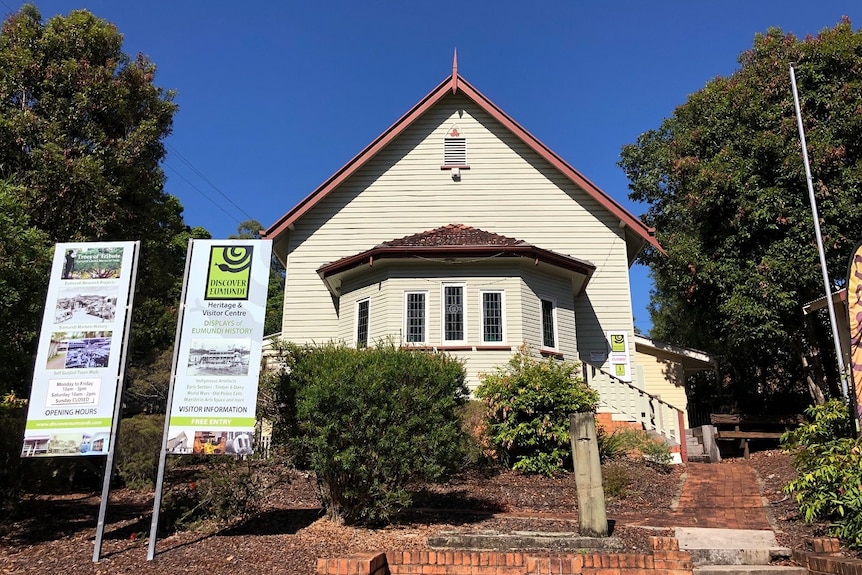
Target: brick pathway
x,y
724,495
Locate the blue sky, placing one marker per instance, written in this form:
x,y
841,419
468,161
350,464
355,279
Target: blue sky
x,y
275,96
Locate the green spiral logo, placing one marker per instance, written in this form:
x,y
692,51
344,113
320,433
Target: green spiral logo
x,y
229,275
236,259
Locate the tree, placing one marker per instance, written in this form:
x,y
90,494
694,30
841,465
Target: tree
x,y
81,137
250,229
724,181
25,258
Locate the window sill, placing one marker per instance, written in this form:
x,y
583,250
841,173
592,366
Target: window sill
x,y
455,348
453,166
551,353
493,348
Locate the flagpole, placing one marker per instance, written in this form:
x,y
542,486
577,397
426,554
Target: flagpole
x,y
842,374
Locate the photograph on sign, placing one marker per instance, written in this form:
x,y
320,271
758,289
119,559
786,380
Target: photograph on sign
x,y
86,304
87,263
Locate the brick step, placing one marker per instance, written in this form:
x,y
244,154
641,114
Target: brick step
x,y
749,570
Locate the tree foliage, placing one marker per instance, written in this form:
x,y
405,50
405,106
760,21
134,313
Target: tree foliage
x,y
81,138
25,258
725,184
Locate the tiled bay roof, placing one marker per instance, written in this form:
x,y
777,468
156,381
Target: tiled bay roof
x,y
453,235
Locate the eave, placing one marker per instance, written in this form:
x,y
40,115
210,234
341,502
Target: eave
x,y
453,253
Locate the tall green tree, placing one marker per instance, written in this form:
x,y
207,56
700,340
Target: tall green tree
x,y
725,184
82,129
25,258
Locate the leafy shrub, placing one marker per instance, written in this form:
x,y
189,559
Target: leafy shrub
x,y
828,463
474,422
631,442
611,445
616,480
372,421
529,401
226,489
138,450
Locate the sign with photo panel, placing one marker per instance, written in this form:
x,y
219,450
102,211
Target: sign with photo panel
x,y
214,396
76,375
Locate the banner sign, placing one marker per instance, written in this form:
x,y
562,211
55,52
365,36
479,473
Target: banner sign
x,y
619,356
854,311
215,378
78,359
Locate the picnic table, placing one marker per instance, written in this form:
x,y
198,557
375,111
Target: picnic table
x,y
730,426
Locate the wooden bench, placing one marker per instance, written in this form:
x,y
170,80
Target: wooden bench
x,y
745,428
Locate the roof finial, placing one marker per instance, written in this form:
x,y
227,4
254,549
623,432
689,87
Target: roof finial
x,y
455,72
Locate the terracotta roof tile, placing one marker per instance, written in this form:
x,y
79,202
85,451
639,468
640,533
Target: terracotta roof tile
x,y
454,235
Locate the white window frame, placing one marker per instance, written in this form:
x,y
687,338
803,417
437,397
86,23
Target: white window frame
x,y
555,322
443,311
359,302
502,316
425,316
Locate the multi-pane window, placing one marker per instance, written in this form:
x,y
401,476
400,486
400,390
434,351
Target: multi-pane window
x,y
415,317
549,326
362,323
492,316
453,313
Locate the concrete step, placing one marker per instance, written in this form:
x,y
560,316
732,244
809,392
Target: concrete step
x,y
500,541
750,570
732,547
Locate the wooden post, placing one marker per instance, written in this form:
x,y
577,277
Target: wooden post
x,y
592,517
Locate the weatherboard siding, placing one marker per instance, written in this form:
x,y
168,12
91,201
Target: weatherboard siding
x,y
508,190
665,377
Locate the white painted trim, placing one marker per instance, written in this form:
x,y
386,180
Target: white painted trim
x,y
425,312
356,321
464,318
556,326
482,293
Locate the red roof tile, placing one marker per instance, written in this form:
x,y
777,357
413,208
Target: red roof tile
x,y
454,235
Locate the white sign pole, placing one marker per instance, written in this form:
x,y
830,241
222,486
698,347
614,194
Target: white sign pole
x,y
118,404
163,454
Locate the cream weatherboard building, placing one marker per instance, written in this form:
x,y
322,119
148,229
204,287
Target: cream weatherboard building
x,y
458,230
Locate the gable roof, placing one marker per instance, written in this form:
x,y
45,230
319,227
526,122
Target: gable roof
x,y
456,83
457,241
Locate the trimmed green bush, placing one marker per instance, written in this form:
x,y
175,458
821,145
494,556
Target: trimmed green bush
x,y
828,461
371,423
529,401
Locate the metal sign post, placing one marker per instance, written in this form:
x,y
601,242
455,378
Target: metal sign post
x,y
163,454
842,372
118,403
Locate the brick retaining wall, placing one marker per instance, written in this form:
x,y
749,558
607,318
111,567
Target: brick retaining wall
x,y
665,558
825,560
